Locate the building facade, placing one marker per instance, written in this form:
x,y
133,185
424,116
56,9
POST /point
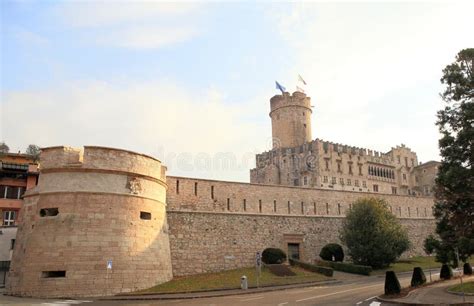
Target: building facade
x,y
18,173
297,160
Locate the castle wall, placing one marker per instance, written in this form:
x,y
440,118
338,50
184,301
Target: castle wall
x,y
217,225
110,205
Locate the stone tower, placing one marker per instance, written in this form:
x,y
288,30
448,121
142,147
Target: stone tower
x,y
95,225
291,120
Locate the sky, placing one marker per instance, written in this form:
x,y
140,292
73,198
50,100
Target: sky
x,y
190,82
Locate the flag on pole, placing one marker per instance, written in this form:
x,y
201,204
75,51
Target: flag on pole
x,y
280,87
301,79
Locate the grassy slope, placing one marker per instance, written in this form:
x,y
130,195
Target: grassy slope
x,y
466,287
231,279
404,265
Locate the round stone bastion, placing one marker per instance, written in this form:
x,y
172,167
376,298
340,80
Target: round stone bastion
x,y
94,225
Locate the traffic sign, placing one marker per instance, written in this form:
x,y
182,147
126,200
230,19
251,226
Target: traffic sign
x,y
109,264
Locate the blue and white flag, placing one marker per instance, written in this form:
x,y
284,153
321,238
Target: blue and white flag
x,y
280,87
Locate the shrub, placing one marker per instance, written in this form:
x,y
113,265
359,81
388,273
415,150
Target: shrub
x,y
273,256
467,269
446,272
372,234
313,268
332,251
418,278
347,267
392,285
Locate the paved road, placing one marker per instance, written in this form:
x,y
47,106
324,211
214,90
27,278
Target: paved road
x,y
360,291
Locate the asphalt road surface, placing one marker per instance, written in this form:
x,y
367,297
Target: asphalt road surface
x,y
360,291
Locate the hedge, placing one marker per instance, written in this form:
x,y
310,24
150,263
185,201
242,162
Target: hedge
x,y
392,285
347,267
418,278
467,269
332,252
273,256
446,272
313,268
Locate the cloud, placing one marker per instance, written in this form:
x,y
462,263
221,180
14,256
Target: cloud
x,y
132,25
194,133
29,38
109,13
146,37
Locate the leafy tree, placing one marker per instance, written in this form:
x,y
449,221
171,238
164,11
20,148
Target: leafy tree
x,y
372,234
454,192
33,150
4,147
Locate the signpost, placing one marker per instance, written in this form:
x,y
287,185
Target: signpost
x,y
258,265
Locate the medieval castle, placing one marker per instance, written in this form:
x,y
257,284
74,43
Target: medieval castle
x,y
103,221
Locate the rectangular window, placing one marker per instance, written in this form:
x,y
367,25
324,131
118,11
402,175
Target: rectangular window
x,y
53,274
49,212
333,180
9,218
245,205
394,190
144,215
195,189
327,165
364,184
360,170
12,244
289,207
327,208
338,208
274,205
177,186
356,183
406,161
228,204
260,205
404,177
305,181
315,208
325,179
212,192
398,158
12,192
339,167
3,192
341,181
349,183
376,188
350,169
302,208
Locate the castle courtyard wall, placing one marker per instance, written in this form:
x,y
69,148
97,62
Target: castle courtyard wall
x,y
211,230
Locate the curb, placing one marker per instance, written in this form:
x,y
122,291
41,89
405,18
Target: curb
x,y
212,293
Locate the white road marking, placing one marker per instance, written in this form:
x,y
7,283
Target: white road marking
x,y
251,299
370,298
334,293
359,303
281,304
375,304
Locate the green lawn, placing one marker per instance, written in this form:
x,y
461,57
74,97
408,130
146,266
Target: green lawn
x,y
466,287
231,279
405,265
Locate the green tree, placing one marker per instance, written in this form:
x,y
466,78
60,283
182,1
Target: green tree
x,y
4,147
454,192
372,234
33,150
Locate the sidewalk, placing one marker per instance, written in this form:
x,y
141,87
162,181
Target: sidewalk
x,y
436,293
214,293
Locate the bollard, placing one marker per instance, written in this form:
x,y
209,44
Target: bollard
x,y
243,283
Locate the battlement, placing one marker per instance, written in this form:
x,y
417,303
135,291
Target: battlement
x,y
94,157
284,100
